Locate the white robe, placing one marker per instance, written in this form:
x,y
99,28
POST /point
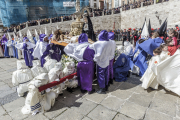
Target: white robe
x,y
21,78
76,51
9,45
39,49
1,52
149,79
103,52
50,63
168,73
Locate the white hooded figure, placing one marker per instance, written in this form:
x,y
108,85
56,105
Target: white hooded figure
x,y
21,77
145,33
36,101
37,70
55,72
29,35
50,63
40,46
69,68
149,79
10,46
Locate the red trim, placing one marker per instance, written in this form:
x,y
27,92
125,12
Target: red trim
x,y
54,83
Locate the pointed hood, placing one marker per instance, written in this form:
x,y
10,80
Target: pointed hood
x,y
49,38
57,27
149,28
36,34
103,36
9,36
143,25
46,31
41,37
14,36
111,35
40,32
25,38
163,28
145,33
52,32
83,38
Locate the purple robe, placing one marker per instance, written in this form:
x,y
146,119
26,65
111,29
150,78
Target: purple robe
x,y
3,41
55,55
28,55
85,70
111,69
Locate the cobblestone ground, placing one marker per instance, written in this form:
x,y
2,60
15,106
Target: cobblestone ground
x,y
124,101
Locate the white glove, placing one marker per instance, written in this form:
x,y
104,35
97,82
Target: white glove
x,y
51,51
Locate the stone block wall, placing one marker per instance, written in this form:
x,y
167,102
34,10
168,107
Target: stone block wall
x,y
133,18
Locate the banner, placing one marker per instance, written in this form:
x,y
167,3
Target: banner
x,y
69,4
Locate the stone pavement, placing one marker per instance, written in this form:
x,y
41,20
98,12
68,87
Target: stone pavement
x,y
124,101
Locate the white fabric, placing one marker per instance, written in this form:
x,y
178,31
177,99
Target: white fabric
x,y
113,45
40,80
29,45
21,64
103,52
76,51
20,55
50,63
37,70
36,62
29,35
36,52
168,73
32,100
72,83
42,47
1,52
69,68
21,78
149,76
48,101
10,49
54,72
145,33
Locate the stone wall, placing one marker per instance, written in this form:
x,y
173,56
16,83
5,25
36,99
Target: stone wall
x,y
126,19
135,17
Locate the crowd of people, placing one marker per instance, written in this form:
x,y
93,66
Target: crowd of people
x,y
147,53
96,12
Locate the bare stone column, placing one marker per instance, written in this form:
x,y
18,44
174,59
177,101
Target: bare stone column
x,y
26,25
154,1
50,20
130,7
120,10
38,23
142,4
112,11
15,29
61,18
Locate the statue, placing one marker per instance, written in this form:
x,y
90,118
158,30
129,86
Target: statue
x,y
77,6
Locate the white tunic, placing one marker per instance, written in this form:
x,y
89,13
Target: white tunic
x,y
168,73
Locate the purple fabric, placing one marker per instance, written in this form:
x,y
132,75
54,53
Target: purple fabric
x,y
49,38
25,38
42,36
83,38
102,76
4,39
111,35
111,69
28,55
85,70
55,55
103,36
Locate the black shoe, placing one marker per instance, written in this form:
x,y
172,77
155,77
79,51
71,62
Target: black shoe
x,y
69,90
101,91
111,81
91,92
128,74
83,91
106,88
